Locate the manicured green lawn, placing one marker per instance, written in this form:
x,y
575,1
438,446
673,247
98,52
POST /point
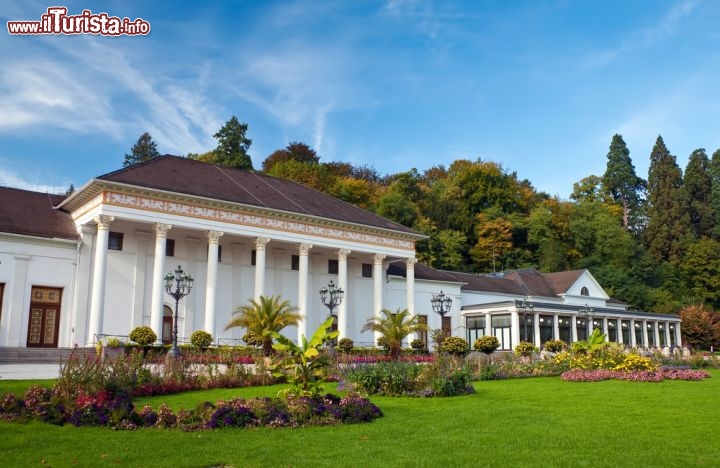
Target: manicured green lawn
x,y
532,422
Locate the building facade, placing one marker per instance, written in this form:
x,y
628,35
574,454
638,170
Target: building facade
x,y
76,269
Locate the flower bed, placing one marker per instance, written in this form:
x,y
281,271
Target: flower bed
x,y
581,375
117,411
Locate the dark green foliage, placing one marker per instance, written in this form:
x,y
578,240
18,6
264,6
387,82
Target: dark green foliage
x,y
714,173
201,339
486,344
698,192
346,345
622,183
233,145
667,233
455,346
294,151
144,150
143,335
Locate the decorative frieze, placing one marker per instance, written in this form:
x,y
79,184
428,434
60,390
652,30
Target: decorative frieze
x,y
248,219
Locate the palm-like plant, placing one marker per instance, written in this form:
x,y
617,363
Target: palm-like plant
x,y
264,316
395,327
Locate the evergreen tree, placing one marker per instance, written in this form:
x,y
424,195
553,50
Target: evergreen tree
x,y
144,150
697,185
667,231
714,172
233,145
625,186
70,190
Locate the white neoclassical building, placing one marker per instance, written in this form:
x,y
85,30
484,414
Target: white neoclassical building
x,y
75,269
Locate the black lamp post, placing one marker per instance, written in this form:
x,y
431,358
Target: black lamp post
x,y
525,306
331,296
584,312
183,284
441,303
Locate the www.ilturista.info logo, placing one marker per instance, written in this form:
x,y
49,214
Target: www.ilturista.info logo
x,y
57,21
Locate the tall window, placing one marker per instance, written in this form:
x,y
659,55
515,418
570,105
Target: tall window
x,y
115,241
475,327
253,257
582,331
639,334
501,327
169,247
2,289
332,267
423,335
366,270
295,262
546,328
565,329
612,331
527,327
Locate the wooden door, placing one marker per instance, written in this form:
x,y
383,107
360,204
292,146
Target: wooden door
x,y
44,318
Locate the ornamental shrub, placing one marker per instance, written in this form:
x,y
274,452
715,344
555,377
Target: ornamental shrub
x,y
486,344
455,345
346,345
417,344
555,346
201,339
252,340
525,349
383,343
143,335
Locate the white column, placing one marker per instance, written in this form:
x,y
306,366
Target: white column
x,y
342,284
97,298
377,288
158,280
667,334
260,244
646,343
678,336
536,329
656,329
556,327
514,328
619,331
303,269
605,328
410,289
573,329
211,284
633,339
488,326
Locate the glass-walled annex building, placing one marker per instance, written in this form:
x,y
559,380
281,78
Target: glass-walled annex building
x,y
565,306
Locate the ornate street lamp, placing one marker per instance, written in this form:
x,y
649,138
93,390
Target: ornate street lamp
x,y
584,312
183,284
331,296
441,303
525,306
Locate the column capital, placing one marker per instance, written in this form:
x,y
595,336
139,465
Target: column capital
x,y
410,263
305,249
343,254
103,222
378,259
214,236
261,242
161,230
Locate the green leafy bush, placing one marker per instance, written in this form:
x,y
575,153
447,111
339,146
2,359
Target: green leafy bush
x,y
143,335
383,343
417,344
346,345
525,349
555,346
201,339
486,344
252,340
455,346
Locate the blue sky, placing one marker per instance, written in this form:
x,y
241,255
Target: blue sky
x,y
539,87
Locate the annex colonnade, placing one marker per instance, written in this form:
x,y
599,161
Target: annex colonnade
x,y
95,229
539,323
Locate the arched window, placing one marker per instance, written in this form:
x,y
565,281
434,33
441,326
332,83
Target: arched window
x,y
584,291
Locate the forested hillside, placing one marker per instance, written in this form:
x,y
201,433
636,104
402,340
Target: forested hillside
x,y
652,243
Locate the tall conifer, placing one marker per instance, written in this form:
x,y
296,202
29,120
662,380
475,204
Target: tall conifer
x,y
697,186
667,232
621,181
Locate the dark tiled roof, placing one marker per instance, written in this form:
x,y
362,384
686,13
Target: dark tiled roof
x,y
527,282
562,280
192,177
32,214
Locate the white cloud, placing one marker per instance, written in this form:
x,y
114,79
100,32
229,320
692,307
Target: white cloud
x,y
11,179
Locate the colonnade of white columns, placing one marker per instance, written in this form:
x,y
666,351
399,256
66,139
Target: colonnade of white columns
x,y
213,237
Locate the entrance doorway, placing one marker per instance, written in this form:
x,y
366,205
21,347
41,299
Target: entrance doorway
x,y
44,319
167,325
